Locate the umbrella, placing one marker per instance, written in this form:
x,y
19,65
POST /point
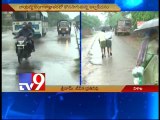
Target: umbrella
x,y
149,24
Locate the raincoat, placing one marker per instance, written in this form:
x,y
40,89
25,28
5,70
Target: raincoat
x,y
148,59
150,63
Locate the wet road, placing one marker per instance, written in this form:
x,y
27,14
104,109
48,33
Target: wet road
x,y
115,70
55,56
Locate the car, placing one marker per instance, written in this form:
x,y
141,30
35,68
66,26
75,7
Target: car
x,y
63,27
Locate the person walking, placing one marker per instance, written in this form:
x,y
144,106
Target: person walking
x,y
102,42
109,43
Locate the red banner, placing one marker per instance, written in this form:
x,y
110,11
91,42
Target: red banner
x,y
7,7
138,88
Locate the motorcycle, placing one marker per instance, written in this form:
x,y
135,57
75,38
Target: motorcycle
x,y
23,48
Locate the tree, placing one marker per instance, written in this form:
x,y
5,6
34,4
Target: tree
x,y
89,21
142,16
113,17
77,18
54,17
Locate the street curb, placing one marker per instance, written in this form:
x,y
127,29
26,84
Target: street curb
x,y
90,45
88,54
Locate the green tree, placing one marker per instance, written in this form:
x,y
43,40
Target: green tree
x,y
54,17
77,18
113,17
89,21
142,16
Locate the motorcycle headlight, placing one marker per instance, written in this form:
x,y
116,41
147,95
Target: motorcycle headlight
x,y
59,28
66,29
20,42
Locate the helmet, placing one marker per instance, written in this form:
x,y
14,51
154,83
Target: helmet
x,y
24,25
30,24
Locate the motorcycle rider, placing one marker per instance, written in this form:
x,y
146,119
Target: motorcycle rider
x,y
25,32
30,27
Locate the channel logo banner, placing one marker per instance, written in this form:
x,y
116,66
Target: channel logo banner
x,y
63,7
32,81
125,5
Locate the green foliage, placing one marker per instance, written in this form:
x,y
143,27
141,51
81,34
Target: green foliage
x,y
89,21
54,17
77,18
142,16
6,20
113,18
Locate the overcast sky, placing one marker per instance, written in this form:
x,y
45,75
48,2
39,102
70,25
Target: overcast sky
x,y
98,14
71,14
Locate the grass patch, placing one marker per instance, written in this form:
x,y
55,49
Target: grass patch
x,y
76,60
77,66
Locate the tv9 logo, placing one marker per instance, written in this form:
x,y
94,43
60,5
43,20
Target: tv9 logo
x,y
31,81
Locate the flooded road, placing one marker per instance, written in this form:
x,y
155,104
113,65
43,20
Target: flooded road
x,y
55,56
115,70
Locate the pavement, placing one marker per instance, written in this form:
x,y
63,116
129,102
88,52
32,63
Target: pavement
x,y
115,70
55,56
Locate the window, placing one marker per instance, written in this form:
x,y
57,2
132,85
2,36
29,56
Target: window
x,y
19,16
127,23
24,16
64,24
121,23
33,16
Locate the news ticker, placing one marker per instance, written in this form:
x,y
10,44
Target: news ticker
x,y
36,82
62,7
111,88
